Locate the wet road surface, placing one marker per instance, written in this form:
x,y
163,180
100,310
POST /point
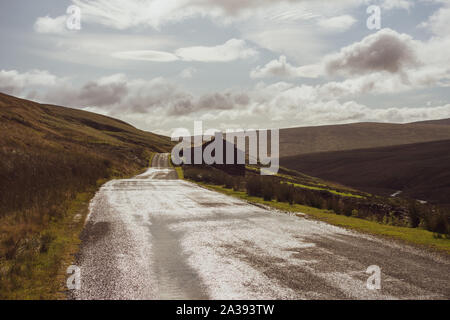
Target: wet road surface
x,y
156,237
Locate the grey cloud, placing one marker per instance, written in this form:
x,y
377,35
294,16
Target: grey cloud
x,y
181,107
100,95
386,50
214,101
242,99
157,93
92,94
119,95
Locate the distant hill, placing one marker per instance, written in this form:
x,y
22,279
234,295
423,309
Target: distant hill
x,y
48,153
421,171
305,140
444,122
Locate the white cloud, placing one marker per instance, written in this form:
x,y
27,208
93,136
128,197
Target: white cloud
x,y
281,68
123,15
14,82
298,43
146,55
376,83
298,30
438,23
383,63
233,49
97,49
51,25
288,27
307,105
396,4
337,24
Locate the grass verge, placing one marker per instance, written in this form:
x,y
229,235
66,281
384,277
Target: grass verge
x,y
414,236
180,172
42,274
324,189
39,274
178,169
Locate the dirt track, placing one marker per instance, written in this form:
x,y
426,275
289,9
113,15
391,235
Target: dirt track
x,y
155,237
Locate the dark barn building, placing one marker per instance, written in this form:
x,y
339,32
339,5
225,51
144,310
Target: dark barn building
x,y
235,169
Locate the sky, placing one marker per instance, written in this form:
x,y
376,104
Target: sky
x,y
233,64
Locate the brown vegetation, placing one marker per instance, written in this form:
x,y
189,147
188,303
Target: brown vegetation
x,y
49,154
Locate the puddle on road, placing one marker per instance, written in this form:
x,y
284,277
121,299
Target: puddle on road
x,y
176,279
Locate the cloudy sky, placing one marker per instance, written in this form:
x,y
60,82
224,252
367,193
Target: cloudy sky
x,y
161,64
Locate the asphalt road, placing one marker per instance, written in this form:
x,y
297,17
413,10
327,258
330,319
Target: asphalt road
x,y
156,237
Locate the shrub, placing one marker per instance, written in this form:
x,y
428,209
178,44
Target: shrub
x,y
267,189
440,224
253,187
237,184
229,181
282,192
414,214
298,197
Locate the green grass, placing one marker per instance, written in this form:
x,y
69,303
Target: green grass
x,y
180,172
295,176
414,236
178,169
343,194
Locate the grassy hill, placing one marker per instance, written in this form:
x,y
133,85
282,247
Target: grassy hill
x,y
304,140
420,170
49,155
444,122
44,147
